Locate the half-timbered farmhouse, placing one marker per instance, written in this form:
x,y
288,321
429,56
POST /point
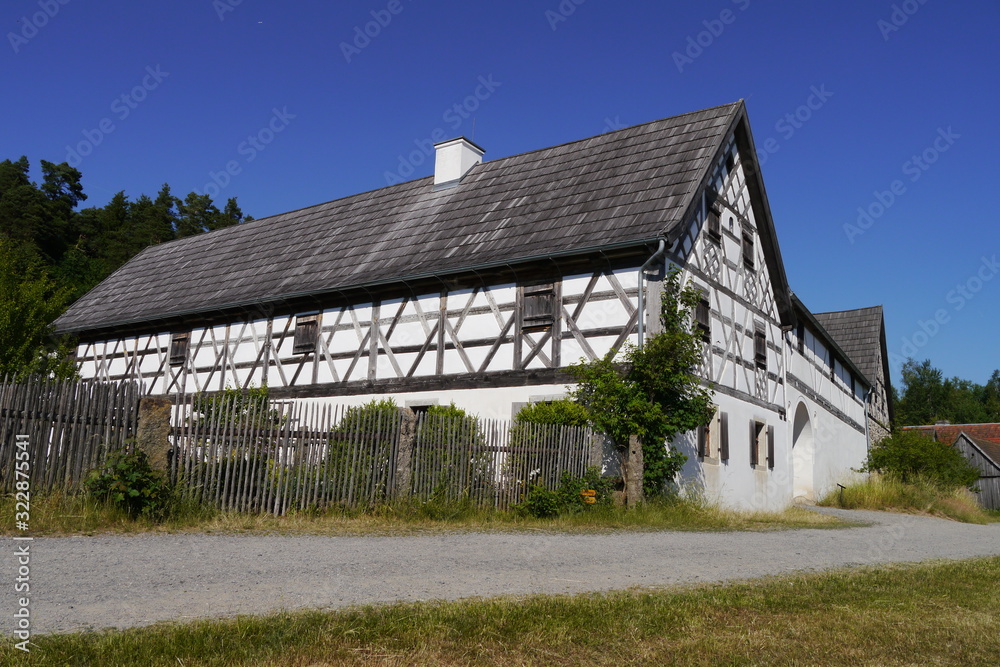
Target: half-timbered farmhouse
x,y
481,283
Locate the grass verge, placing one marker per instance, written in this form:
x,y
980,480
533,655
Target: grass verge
x,y
78,515
921,496
938,613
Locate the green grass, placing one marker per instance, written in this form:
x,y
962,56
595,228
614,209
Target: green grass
x,y
919,496
937,613
78,515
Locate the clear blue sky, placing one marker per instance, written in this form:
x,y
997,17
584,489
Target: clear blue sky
x,y
201,77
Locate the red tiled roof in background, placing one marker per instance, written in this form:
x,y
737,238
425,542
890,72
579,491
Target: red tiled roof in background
x,y
949,433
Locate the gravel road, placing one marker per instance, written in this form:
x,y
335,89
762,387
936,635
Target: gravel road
x,y
80,583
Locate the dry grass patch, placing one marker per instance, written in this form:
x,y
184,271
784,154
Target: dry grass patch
x,y
920,496
941,613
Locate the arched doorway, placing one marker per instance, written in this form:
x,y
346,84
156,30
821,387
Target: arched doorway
x,y
803,456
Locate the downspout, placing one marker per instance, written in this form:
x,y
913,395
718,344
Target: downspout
x,y
642,289
868,435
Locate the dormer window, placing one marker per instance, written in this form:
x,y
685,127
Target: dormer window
x,y
306,334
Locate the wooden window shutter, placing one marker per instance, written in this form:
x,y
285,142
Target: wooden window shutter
x,y
724,436
179,348
770,447
306,334
748,256
753,443
702,441
714,223
760,348
703,317
539,307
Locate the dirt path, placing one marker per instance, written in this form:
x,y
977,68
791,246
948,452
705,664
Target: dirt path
x,y
121,581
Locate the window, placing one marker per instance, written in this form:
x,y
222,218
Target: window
x,y
306,334
703,317
539,307
801,334
715,223
179,348
833,366
748,256
760,347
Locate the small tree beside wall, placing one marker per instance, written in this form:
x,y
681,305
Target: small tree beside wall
x,y
652,392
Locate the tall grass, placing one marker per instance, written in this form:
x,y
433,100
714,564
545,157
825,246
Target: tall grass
x,y
920,495
928,614
75,515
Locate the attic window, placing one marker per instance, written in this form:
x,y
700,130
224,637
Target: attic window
x,y
801,335
703,314
306,334
730,162
539,307
748,261
714,222
760,347
179,348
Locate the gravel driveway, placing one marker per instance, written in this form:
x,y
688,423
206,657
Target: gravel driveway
x,y
121,581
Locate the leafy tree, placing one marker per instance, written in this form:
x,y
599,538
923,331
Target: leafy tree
x,y
927,397
29,301
653,392
908,455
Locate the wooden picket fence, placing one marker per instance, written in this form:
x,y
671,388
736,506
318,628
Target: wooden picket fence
x,y
67,427
255,455
275,457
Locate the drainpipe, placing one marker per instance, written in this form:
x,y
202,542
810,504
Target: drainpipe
x,y
868,435
642,289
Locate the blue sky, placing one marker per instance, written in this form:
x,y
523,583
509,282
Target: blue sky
x,y
884,107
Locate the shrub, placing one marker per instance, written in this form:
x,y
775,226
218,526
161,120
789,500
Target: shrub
x,y
129,482
362,445
910,455
451,453
568,498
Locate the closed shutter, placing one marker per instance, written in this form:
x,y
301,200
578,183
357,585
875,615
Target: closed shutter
x,y
770,447
724,437
539,307
702,441
753,443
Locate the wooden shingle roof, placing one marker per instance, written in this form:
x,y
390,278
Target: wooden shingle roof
x,y
859,334
625,187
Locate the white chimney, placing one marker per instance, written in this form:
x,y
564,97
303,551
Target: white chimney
x,y
453,160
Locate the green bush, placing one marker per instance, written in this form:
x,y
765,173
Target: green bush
x,y
909,455
563,412
451,454
129,482
567,498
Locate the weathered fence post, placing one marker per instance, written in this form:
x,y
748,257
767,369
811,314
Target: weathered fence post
x,y
404,453
595,456
632,471
152,435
